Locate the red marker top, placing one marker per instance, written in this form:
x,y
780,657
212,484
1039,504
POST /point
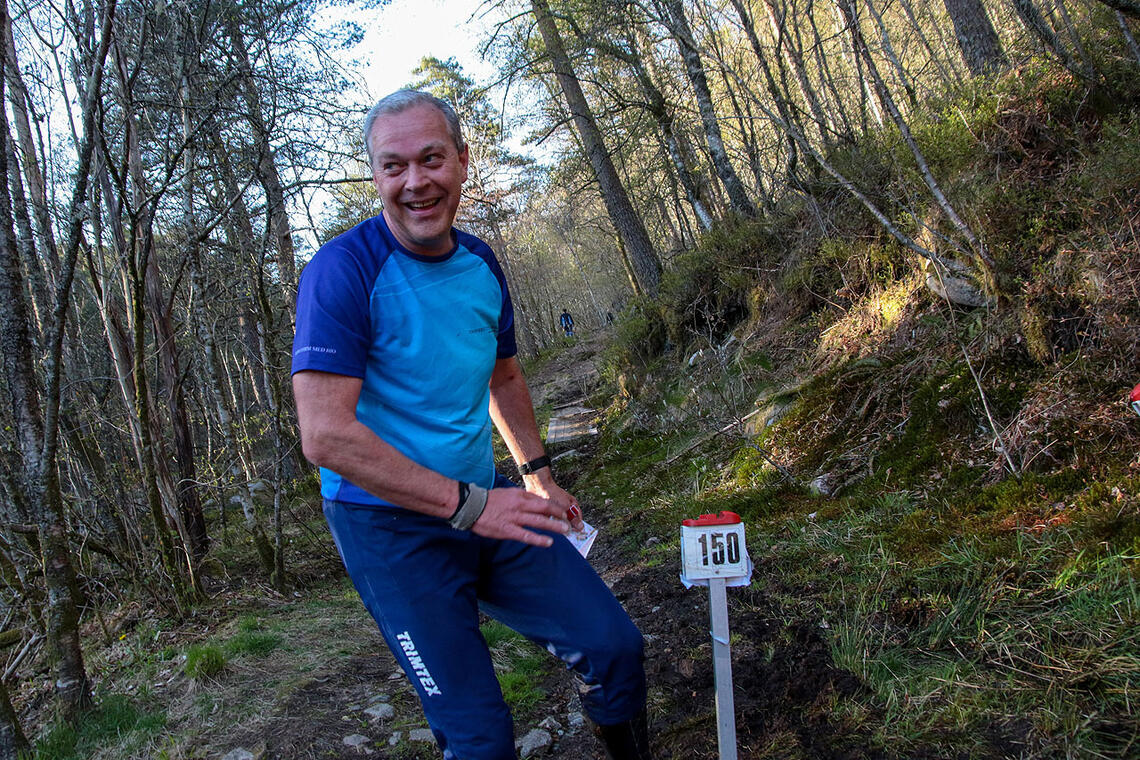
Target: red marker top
x,y
720,518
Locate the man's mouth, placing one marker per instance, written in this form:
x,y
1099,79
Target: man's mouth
x,y
422,205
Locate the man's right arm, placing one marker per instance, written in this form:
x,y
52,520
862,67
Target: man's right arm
x,y
332,437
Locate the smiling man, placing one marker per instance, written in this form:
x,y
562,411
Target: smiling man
x,y
403,359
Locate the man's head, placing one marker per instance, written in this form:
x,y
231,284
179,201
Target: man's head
x,y
419,164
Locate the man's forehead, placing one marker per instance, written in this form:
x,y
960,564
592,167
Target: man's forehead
x,y
398,147
418,119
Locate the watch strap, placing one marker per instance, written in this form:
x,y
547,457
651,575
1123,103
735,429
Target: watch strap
x,y
526,468
471,506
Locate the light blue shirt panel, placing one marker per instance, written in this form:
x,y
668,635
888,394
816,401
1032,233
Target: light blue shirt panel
x,y
426,388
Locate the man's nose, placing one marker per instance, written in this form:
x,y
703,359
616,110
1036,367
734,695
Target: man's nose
x,y
416,177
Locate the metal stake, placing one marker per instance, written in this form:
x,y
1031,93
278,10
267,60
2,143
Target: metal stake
x,y
722,664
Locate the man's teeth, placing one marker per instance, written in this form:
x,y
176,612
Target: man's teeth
x,y
422,204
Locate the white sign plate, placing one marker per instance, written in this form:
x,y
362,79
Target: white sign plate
x,y
713,551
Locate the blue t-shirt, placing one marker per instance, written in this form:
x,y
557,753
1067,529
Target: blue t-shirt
x,y
422,332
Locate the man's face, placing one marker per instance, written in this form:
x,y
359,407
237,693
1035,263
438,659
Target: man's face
x,y
419,173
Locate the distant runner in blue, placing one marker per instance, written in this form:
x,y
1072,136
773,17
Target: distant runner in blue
x,y
567,323
403,359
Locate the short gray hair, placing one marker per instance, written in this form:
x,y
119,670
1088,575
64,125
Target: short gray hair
x,y
402,100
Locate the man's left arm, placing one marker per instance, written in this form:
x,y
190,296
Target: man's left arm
x,y
512,411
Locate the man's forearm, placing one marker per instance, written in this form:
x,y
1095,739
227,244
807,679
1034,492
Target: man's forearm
x,y
512,411
354,452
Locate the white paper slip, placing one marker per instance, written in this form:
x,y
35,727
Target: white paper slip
x,y
583,539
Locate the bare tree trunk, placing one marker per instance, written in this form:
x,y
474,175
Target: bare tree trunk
x,y
37,188
1040,27
889,51
794,58
627,224
663,115
26,243
1127,7
277,215
867,101
979,43
779,98
1128,35
679,28
36,420
189,503
13,743
846,132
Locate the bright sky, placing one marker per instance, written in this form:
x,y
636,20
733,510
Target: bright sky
x,y
404,31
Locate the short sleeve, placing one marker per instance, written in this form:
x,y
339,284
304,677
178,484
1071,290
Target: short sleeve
x,y
333,323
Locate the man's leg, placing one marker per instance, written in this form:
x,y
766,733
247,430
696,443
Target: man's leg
x,y
417,576
555,598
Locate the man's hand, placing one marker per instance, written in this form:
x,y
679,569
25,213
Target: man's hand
x,y
512,513
542,483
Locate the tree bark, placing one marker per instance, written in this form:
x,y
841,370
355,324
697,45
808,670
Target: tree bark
x,y
1128,35
277,215
981,48
1127,7
627,223
13,743
36,417
679,28
1044,32
888,101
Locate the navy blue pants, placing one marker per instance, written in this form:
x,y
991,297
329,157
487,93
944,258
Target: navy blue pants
x,y
425,582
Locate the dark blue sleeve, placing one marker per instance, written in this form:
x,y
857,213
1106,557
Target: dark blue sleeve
x,y
507,345
333,322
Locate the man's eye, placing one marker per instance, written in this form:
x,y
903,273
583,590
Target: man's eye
x,y
390,168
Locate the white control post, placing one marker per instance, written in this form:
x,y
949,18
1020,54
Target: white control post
x,y
713,551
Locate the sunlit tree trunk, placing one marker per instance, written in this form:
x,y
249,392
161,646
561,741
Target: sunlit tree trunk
x,y
794,58
888,101
1041,28
628,225
679,28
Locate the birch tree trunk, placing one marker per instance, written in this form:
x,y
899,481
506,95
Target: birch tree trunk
x,y
888,101
36,415
635,243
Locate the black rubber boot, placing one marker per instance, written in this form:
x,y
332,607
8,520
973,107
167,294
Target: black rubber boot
x,y
627,741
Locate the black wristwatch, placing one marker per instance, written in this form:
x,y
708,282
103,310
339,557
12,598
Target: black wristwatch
x,y
526,468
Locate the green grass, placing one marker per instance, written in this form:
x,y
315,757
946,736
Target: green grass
x,y
251,639
116,721
204,661
520,667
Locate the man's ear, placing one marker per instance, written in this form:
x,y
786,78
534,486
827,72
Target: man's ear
x,y
464,159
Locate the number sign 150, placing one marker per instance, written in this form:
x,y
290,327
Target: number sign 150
x,y
713,551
